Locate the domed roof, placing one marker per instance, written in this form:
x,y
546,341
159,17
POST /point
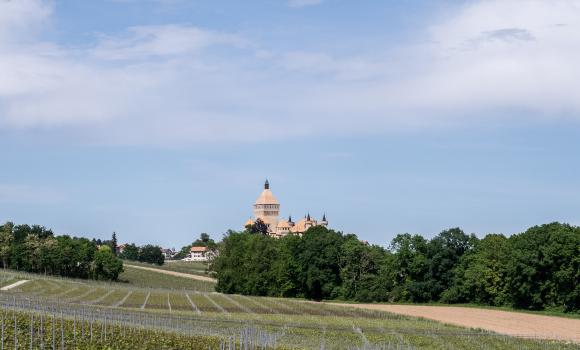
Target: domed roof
x,y
266,197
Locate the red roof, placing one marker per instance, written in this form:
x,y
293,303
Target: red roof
x,y
198,249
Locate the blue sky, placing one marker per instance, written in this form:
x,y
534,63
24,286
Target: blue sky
x,y
160,119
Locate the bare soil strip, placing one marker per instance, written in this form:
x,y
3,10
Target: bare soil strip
x,y
146,299
503,322
218,306
195,308
175,273
14,285
122,301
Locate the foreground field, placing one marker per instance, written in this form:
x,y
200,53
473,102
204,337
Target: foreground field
x,y
510,323
205,320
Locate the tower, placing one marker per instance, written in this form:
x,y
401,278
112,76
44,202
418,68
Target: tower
x,y
267,208
324,222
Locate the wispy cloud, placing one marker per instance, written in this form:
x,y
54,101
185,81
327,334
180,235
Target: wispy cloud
x,y
145,42
180,84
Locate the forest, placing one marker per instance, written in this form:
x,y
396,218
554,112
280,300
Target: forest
x,y
36,249
536,270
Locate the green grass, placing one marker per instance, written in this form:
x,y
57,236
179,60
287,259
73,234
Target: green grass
x,y
168,312
143,278
191,267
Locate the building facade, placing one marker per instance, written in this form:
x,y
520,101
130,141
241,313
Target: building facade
x,y
267,209
197,254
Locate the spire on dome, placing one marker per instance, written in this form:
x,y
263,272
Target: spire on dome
x,y
308,217
266,185
324,217
290,218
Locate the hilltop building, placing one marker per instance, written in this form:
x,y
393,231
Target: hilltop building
x,y
267,209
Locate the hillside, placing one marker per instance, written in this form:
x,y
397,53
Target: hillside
x,y
191,311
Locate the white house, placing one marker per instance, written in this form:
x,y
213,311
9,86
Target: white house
x,y
197,254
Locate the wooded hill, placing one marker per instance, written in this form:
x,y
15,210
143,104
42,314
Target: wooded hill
x,y
536,269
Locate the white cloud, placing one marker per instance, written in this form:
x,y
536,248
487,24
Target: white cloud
x,y
20,17
152,41
177,84
303,3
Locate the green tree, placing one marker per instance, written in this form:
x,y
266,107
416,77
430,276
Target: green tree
x,y
445,251
130,252
543,267
106,265
481,276
114,243
260,227
360,266
287,267
6,239
151,254
410,268
320,263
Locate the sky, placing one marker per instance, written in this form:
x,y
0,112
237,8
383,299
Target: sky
x,y
161,119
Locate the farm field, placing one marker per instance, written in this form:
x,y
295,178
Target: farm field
x,y
511,323
204,319
191,267
144,278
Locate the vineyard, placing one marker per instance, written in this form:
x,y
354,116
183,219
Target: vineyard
x,y
53,313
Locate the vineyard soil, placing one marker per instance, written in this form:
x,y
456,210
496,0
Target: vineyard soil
x,y
504,322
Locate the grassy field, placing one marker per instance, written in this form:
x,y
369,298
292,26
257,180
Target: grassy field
x,y
191,267
167,309
144,278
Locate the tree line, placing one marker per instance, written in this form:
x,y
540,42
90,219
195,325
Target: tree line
x,y
149,253
36,249
537,269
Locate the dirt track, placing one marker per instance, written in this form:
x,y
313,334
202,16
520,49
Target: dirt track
x,y
174,273
504,322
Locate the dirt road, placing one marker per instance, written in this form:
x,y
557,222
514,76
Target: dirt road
x,y
504,322
174,273
14,285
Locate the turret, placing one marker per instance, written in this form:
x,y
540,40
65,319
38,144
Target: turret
x,y
324,222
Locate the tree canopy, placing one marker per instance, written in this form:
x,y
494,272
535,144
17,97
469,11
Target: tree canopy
x,y
36,249
536,269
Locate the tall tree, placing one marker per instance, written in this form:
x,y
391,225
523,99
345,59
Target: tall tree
x,y
114,243
6,239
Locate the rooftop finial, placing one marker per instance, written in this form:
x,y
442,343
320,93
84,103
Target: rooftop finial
x,y
266,185
324,217
308,217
